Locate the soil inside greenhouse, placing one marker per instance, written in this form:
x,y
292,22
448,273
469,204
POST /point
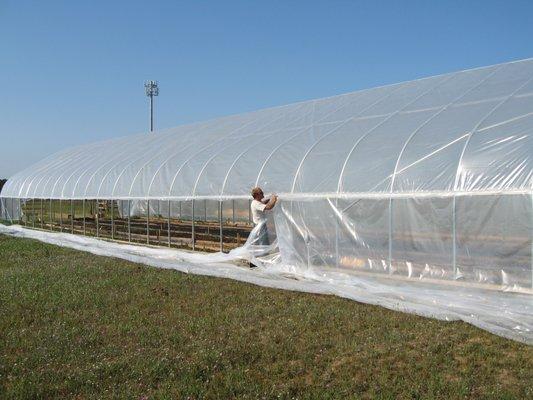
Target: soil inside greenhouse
x,y
79,325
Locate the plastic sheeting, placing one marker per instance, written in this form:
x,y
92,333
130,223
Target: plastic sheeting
x,y
506,314
464,240
462,132
10,209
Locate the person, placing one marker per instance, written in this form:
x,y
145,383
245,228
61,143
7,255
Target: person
x,y
259,206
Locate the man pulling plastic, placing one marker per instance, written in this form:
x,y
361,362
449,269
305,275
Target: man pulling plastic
x,y
259,207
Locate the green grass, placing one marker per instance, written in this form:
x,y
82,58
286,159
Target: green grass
x,y
74,325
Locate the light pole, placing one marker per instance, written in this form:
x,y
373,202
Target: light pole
x,y
151,89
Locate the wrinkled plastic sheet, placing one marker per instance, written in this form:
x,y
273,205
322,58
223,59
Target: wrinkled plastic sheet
x,y
466,131
503,313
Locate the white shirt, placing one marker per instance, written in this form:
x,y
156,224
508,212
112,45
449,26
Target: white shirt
x,y
258,211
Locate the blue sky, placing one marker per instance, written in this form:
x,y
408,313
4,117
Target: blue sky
x,y
72,72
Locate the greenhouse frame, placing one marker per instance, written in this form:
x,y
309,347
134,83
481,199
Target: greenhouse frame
x,y
428,180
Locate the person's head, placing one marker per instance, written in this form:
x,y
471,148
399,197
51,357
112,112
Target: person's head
x,y
257,193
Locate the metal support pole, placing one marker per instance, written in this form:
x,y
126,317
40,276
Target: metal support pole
x,y
390,235
112,219
129,221
51,215
83,211
168,224
147,221
71,216
233,208
220,225
193,237
249,211
33,209
454,238
159,227
337,235
180,208
307,243
97,219
20,212
151,113
205,210
42,215
60,215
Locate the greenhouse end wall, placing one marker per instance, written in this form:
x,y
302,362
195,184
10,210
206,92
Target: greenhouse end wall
x,y
464,239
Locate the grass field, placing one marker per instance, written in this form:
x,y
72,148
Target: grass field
x,y
74,325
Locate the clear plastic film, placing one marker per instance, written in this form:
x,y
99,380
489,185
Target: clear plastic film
x,y
466,131
506,314
468,241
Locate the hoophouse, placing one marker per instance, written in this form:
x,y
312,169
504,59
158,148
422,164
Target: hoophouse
x,y
428,179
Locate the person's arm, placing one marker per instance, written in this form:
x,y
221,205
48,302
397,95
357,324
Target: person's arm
x,y
271,203
265,200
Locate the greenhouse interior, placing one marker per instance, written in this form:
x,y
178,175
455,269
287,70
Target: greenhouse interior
x,y
430,180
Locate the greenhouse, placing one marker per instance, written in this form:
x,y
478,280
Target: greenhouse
x,y
430,179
